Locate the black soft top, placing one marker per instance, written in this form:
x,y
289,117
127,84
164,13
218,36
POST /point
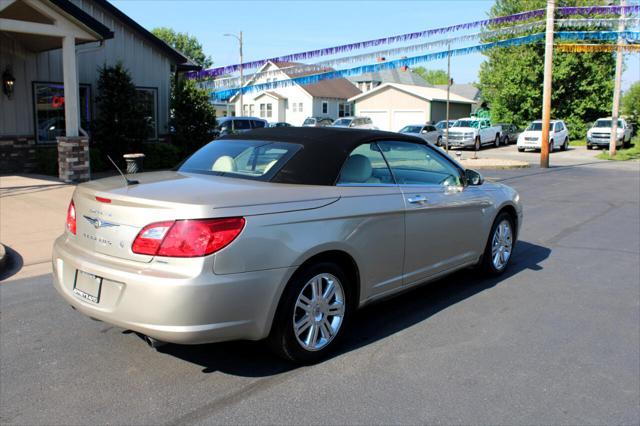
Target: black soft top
x,y
324,150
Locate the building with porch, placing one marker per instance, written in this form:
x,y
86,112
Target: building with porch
x,y
50,52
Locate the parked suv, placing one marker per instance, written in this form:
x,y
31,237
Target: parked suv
x,y
441,126
531,138
600,134
317,122
231,125
473,133
355,123
427,132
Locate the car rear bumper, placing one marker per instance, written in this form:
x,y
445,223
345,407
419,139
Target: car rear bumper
x,y
169,307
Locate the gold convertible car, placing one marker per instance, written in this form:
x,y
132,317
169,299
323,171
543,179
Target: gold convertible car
x,y
278,234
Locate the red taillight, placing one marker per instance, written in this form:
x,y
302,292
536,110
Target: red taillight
x,y
187,238
103,200
71,218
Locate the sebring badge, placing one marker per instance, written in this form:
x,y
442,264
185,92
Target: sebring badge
x,y
99,223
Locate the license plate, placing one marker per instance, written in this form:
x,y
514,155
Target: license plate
x,y
87,286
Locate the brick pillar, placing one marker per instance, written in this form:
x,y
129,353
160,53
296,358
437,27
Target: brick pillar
x,y
73,159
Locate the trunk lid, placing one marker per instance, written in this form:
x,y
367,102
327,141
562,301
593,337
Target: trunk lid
x,y
109,214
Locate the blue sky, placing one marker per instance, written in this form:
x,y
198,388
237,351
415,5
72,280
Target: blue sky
x,y
273,28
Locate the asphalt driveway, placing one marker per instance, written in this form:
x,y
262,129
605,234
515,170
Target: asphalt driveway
x,y
554,341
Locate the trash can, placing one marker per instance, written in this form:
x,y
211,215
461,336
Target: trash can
x,y
134,162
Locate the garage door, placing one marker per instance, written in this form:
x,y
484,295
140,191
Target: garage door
x,y
404,118
380,118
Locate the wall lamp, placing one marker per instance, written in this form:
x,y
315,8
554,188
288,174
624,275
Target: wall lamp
x,y
8,82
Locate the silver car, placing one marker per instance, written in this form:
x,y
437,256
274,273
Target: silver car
x,y
425,131
279,234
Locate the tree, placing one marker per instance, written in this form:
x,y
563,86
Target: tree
x,y
193,116
434,77
121,124
511,79
189,45
631,105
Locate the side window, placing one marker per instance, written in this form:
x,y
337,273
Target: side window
x,y
558,127
257,123
365,165
241,124
417,164
430,128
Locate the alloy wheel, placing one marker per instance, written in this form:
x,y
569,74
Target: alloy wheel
x,y
319,312
501,245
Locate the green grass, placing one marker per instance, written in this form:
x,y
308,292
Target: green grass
x,y
578,142
632,153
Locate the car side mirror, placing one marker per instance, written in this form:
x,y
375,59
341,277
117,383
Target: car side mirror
x,y
473,178
424,132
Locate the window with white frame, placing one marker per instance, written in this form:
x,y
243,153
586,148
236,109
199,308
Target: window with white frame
x,y
252,109
269,110
263,110
325,107
344,110
245,109
295,107
299,106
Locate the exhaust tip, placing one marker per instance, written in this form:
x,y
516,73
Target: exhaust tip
x,y
154,343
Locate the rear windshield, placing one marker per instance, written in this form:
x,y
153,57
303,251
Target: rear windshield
x,y
309,121
248,159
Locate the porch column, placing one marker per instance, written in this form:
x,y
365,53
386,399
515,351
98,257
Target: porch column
x,y
71,94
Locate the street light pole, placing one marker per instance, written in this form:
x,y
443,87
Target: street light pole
x,y
616,89
548,78
239,38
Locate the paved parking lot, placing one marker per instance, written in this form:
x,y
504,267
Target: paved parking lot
x,y
554,341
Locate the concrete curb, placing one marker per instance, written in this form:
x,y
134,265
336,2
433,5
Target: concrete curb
x,y
495,164
3,257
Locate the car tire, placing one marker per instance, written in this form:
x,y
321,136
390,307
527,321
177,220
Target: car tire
x,y
507,142
626,144
520,149
589,147
551,146
497,141
477,145
565,145
500,244
439,141
306,346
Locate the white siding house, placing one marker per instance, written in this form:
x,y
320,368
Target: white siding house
x,y
328,98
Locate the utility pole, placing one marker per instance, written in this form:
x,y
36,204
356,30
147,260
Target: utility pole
x,y
239,38
616,89
548,78
448,92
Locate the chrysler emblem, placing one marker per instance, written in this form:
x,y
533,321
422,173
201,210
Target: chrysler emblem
x,y
99,223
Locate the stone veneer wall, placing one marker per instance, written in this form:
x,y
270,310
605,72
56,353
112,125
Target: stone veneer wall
x,y
73,159
18,154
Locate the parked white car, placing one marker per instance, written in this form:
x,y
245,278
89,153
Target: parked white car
x,y
531,138
355,123
472,133
600,134
427,132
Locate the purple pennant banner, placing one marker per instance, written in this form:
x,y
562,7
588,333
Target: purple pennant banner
x,y
524,16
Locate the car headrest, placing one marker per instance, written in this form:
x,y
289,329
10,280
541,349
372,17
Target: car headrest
x,y
357,169
224,164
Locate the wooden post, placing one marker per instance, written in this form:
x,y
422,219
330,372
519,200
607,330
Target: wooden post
x,y
616,89
548,78
448,93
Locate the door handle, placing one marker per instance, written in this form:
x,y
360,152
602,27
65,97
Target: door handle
x,y
417,199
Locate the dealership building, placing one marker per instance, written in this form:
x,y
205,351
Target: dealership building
x,y
50,53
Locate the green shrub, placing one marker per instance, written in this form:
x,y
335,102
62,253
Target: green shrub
x,y
192,116
160,155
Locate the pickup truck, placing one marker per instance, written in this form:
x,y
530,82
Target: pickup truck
x,y
473,133
598,136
